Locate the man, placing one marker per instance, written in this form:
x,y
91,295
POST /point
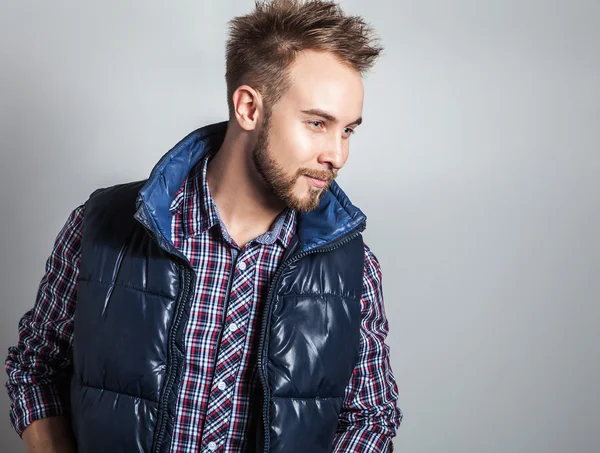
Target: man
x,y
228,302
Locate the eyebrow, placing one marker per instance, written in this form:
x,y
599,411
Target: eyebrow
x,y
329,116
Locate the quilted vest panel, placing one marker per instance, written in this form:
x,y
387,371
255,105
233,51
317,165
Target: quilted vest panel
x,y
313,347
126,301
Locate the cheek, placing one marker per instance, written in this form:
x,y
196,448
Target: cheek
x,y
294,145
302,146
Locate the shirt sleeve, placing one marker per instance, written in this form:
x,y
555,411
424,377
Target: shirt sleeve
x,y
370,415
39,366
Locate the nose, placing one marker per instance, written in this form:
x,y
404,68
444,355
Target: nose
x,y
334,154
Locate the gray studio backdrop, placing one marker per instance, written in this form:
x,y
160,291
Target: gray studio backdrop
x,y
477,165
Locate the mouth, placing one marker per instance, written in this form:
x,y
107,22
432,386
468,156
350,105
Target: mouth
x,y
320,183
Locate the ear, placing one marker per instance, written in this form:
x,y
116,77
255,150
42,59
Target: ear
x,y
247,107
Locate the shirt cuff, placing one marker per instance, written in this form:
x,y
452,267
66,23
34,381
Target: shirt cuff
x,y
34,402
363,440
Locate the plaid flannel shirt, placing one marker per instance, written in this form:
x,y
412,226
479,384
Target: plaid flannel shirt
x,y
214,409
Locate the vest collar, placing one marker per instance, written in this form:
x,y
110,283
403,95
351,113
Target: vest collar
x,y
334,218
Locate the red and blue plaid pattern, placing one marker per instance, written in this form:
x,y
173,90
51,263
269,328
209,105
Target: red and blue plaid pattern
x,y
218,406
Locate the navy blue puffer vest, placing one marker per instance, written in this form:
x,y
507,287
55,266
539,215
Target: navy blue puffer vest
x,y
134,295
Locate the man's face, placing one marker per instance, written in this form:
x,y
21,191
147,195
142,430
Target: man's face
x,y
305,140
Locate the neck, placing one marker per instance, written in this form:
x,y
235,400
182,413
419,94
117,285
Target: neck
x,y
246,206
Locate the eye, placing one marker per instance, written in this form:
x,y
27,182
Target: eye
x,y
317,123
349,131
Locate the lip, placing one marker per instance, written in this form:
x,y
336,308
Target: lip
x,y
320,183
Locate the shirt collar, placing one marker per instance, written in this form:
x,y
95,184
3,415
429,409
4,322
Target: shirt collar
x,y
198,211
334,219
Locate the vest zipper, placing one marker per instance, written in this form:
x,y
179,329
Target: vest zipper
x,y
161,425
172,362
263,342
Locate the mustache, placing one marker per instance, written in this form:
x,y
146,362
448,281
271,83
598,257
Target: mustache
x,y
323,175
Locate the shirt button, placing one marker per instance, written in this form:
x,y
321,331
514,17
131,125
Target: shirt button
x,y
233,327
242,266
212,446
222,385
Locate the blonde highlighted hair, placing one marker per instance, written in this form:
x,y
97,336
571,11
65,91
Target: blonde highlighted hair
x,y
264,43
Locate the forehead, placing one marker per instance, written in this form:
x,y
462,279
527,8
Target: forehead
x,y
319,80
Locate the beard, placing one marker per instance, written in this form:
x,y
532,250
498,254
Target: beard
x,y
279,182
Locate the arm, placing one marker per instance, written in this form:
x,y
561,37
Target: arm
x,y
370,416
39,366
49,435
